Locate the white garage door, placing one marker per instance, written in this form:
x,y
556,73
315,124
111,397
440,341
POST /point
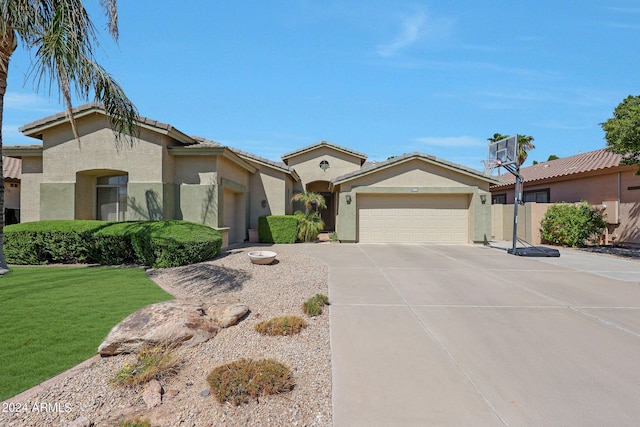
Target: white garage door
x,y
413,218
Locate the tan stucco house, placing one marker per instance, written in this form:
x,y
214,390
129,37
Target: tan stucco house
x,y
166,174
599,177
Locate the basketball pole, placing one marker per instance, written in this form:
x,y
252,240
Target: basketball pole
x,y
517,199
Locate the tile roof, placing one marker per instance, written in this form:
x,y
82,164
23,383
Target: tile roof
x,y
372,166
277,165
204,142
88,108
12,168
593,161
323,144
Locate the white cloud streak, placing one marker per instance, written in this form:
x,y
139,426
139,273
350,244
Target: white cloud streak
x,y
413,29
28,102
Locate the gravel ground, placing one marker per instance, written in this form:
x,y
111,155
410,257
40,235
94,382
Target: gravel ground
x,y
269,291
616,251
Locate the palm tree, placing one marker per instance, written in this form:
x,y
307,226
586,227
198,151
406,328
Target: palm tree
x,y
524,146
310,200
63,38
310,224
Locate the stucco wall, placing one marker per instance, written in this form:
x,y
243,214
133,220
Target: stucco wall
x,y
63,156
416,173
307,164
30,189
595,189
11,195
267,185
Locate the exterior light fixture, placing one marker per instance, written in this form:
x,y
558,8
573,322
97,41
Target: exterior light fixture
x,y
264,203
483,198
348,198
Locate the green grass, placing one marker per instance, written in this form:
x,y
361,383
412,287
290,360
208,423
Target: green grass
x,y
52,318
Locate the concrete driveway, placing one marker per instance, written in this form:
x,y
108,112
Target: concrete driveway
x,y
440,335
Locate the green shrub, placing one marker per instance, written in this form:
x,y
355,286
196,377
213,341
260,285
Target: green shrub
x,y
314,305
277,229
47,242
239,381
154,243
282,325
572,224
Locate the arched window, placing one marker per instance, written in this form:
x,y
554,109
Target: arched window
x,y
112,197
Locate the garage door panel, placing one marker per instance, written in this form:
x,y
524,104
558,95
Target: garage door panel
x,y
413,219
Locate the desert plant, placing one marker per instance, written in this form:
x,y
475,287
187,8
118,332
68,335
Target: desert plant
x,y
333,236
309,225
151,363
572,224
239,381
282,325
314,305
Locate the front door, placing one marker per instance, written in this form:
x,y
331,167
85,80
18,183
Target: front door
x,y
329,214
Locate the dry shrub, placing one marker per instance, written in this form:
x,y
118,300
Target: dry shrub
x,y
283,325
153,362
239,381
314,305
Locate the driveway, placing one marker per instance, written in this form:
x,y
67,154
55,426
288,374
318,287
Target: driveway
x,y
467,335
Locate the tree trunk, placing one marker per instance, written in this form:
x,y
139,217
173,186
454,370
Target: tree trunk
x,y
8,44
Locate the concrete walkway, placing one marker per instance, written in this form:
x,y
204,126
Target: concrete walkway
x,y
467,335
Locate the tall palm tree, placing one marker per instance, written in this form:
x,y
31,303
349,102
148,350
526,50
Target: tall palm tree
x,y
63,38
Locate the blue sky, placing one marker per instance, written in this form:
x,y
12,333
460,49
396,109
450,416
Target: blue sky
x,y
384,78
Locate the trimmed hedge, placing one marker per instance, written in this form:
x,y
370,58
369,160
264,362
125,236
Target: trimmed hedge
x,y
277,229
154,243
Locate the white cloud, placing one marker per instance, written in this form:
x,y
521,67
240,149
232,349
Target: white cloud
x,y
413,29
452,141
28,102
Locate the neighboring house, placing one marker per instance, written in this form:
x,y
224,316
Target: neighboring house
x,y
12,170
597,177
167,174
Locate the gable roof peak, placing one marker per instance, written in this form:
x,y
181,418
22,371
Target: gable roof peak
x,y
323,143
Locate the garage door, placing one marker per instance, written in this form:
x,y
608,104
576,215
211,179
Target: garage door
x,y
413,219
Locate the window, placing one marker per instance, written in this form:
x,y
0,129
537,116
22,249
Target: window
x,y
499,199
538,196
324,165
112,197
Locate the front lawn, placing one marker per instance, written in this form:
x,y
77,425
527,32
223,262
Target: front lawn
x,y
52,318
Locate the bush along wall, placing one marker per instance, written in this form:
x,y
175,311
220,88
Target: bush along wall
x,y
153,243
277,228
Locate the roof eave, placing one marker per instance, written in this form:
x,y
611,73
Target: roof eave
x,y
401,160
22,151
213,151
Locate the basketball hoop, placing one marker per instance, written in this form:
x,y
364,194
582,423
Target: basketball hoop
x,y
490,165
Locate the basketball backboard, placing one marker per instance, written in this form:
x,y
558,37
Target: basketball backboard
x,y
504,152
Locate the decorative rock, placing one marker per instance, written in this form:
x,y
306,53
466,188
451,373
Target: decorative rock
x,y
169,322
152,394
227,314
205,393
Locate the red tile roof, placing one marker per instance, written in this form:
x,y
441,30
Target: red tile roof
x,y
11,167
593,161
